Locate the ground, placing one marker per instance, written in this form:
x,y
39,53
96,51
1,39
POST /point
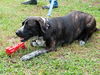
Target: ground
x,y
68,60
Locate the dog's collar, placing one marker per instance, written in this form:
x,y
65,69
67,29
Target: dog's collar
x,y
47,23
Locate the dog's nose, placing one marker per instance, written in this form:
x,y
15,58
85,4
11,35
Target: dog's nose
x,y
17,33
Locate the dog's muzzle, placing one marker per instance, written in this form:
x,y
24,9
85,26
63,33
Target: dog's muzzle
x,y
18,33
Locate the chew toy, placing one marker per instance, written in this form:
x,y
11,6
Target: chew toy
x,y
12,49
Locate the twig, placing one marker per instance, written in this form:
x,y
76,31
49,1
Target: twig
x,y
33,54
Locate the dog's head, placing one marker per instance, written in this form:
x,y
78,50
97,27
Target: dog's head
x,y
32,26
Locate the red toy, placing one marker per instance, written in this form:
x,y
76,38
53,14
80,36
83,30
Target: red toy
x,y
12,49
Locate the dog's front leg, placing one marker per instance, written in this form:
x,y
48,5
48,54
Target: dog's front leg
x,y
51,46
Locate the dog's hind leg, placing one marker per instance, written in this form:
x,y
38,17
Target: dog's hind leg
x,y
81,42
86,35
33,54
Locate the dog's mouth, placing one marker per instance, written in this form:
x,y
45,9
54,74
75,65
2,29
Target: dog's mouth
x,y
23,39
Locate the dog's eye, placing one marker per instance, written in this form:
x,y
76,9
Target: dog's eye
x,y
22,23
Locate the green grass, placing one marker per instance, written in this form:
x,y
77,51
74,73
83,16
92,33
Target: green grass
x,y
69,60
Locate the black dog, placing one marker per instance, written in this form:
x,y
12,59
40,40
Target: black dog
x,y
59,30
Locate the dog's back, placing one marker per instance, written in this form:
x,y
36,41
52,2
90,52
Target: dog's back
x,y
76,25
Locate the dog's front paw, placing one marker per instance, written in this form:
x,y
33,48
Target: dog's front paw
x,y
37,43
33,44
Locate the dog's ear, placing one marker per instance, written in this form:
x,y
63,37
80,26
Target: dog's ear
x,y
43,25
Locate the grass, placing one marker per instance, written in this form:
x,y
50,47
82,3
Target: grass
x,y
69,60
